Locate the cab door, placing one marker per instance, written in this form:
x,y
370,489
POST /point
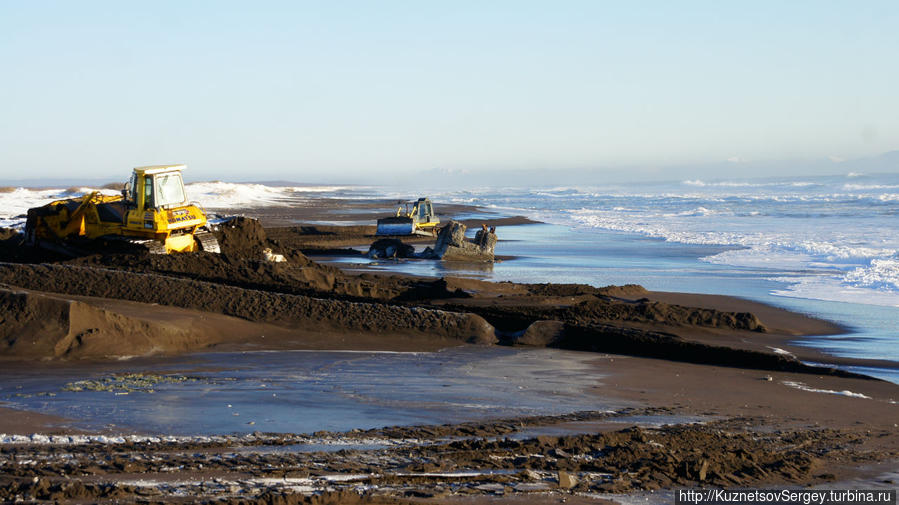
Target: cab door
x,y
141,215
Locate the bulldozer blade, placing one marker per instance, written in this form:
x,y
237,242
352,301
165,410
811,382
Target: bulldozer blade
x,y
395,226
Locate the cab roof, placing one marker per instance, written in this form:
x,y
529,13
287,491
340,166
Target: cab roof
x,y
157,169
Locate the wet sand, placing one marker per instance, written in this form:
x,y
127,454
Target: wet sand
x,y
769,418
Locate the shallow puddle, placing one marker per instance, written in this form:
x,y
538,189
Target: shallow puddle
x,y
307,391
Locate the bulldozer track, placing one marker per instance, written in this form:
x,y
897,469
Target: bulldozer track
x,y
208,242
155,247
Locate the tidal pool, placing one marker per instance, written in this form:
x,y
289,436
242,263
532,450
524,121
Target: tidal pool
x,y
307,391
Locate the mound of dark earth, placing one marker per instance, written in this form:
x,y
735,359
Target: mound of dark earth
x,y
41,326
250,304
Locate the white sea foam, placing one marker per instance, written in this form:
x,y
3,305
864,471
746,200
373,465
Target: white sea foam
x,y
866,187
827,238
778,350
221,195
19,200
15,204
65,440
802,387
746,184
882,274
833,289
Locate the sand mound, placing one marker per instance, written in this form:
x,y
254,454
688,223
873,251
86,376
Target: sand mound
x,y
7,233
292,310
39,326
233,270
241,236
629,291
589,309
12,249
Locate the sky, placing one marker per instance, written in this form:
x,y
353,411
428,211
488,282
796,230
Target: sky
x,y
362,91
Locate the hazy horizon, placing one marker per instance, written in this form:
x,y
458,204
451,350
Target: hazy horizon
x,y
367,92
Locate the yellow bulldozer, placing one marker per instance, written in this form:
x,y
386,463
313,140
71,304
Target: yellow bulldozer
x,y
411,218
151,214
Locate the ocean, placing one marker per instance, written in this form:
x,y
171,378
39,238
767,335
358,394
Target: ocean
x,y
827,246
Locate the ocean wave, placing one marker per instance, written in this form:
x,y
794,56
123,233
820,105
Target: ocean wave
x,y
847,256
698,211
881,274
743,184
865,187
17,201
220,195
215,195
833,288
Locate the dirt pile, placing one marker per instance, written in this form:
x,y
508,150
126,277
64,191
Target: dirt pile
x,y
253,305
580,306
319,238
12,249
390,248
615,339
626,291
242,237
229,269
7,233
32,323
291,277
37,326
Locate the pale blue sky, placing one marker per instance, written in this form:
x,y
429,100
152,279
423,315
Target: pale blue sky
x,y
348,90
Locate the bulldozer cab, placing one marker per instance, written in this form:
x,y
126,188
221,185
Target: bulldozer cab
x,y
417,220
423,210
156,188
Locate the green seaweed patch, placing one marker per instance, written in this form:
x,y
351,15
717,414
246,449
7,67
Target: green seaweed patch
x,y
127,383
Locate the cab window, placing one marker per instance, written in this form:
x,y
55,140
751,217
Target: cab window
x,y
170,190
148,192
